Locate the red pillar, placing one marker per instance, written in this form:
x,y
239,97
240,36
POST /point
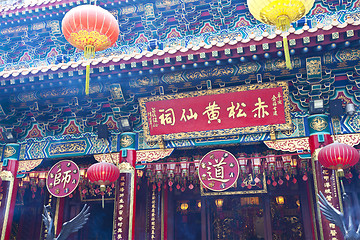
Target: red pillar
x,y
9,188
325,180
125,199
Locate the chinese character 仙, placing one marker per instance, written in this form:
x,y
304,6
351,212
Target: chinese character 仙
x,y
190,116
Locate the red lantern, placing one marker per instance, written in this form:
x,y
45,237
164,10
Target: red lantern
x,y
90,28
103,173
338,156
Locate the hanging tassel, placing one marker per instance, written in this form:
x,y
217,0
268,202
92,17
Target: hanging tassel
x,y
287,54
89,52
102,200
87,81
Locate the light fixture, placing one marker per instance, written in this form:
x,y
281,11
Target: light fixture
x,y
316,106
350,109
125,124
9,136
219,202
184,206
199,204
280,200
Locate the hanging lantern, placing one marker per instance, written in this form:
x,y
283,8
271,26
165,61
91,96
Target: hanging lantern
x,y
280,13
103,173
90,28
243,164
338,156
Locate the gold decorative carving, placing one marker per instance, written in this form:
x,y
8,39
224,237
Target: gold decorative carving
x,y
126,141
153,154
228,192
125,167
289,145
6,175
9,151
29,165
221,132
349,139
318,124
67,147
113,158
296,144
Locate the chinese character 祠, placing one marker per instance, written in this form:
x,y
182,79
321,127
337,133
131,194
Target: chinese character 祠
x,y
260,111
167,116
212,112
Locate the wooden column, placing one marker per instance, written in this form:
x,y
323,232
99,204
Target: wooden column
x,y
9,188
125,199
325,180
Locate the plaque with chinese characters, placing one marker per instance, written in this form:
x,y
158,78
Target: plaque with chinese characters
x,y
63,178
218,170
217,112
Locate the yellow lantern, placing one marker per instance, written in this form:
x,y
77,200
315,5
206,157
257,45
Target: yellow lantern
x,y
280,13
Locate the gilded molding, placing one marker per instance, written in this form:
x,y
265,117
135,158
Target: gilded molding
x,y
296,144
221,132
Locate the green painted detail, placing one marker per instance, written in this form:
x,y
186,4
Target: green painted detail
x,y
321,138
128,141
319,124
11,152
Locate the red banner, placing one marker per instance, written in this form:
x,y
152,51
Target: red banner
x,y
233,110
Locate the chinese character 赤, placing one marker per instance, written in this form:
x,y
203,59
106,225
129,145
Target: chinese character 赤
x,y
167,116
232,110
190,116
212,112
260,111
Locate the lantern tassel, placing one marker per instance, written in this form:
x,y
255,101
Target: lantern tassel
x,y
102,201
89,52
87,81
286,52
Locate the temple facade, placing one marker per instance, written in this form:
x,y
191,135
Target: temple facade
x,y
214,136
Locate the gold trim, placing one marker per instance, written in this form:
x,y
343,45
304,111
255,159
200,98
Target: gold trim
x,y
57,214
7,176
131,205
264,190
313,159
131,212
220,132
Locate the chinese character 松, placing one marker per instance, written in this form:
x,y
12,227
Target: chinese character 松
x,y
232,110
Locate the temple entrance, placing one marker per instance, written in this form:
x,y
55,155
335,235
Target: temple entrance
x,y
238,218
258,217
